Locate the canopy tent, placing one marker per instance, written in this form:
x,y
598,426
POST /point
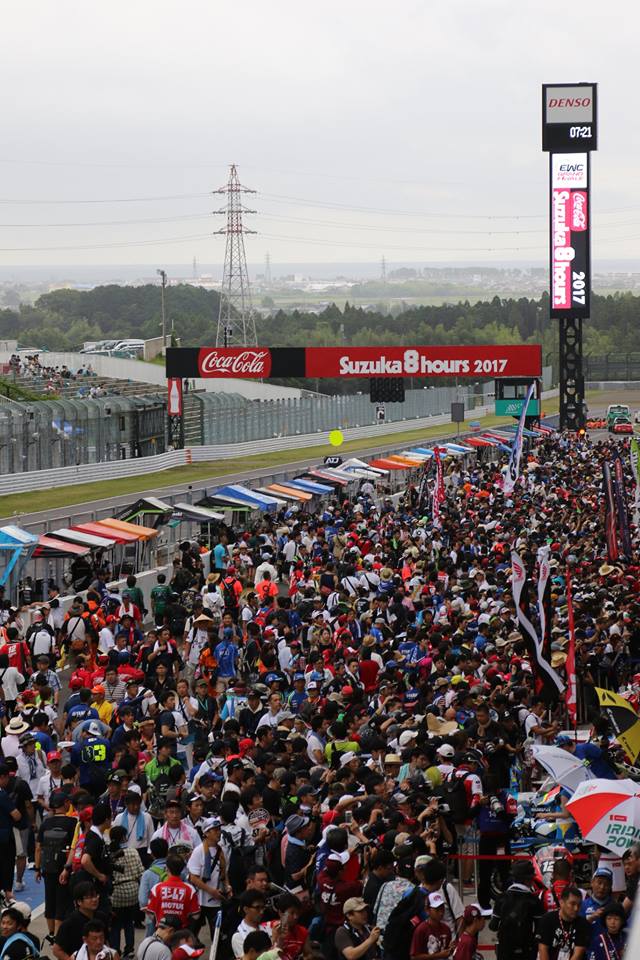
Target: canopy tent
x,y
259,501
18,546
391,464
403,461
86,539
414,455
198,513
224,503
339,480
311,486
284,493
513,427
425,451
479,442
147,507
139,531
95,529
458,447
50,548
354,464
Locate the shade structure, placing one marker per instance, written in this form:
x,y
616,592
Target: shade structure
x,y
86,539
286,489
94,529
213,502
355,463
136,529
199,514
292,496
53,549
251,498
624,720
311,486
16,545
403,462
478,442
390,465
608,813
339,479
157,511
568,770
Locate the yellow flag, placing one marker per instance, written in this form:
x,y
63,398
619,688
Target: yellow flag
x,y
624,721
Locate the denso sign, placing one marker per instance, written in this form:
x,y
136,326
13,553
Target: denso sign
x,y
569,104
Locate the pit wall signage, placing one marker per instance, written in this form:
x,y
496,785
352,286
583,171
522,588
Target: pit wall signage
x,y
264,363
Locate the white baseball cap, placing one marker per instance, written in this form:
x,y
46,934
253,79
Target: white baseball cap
x,y
445,750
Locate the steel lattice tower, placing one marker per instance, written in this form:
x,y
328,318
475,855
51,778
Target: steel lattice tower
x,y
236,323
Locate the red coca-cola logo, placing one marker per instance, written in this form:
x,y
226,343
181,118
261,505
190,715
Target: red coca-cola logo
x,y
235,362
578,210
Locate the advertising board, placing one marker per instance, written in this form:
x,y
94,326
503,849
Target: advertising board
x,y
570,241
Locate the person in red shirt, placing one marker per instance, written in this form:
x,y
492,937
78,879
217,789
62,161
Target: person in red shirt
x,y
289,935
334,890
266,589
473,921
173,897
432,938
17,650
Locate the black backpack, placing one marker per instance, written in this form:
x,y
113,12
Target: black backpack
x,y
239,861
454,793
402,922
55,843
515,922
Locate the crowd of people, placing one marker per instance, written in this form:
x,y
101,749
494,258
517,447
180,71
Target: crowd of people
x,y
292,746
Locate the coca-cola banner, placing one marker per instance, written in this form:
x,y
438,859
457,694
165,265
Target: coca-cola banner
x,y
570,242
261,363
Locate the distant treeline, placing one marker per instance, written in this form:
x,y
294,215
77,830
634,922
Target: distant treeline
x,y
65,319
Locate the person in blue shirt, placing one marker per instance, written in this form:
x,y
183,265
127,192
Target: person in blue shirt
x,y
591,752
597,901
299,694
92,757
220,554
610,943
82,710
226,654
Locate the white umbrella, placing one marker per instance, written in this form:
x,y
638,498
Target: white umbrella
x,y
608,812
563,767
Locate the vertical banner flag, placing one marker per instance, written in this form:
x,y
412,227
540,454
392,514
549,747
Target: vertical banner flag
x,y
634,451
548,683
570,695
623,509
609,514
570,245
544,600
513,469
438,491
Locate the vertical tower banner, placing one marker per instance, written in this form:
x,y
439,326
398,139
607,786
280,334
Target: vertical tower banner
x,y
570,239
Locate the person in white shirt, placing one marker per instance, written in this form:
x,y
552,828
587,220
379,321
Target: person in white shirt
x,y
31,765
136,822
106,639
212,598
207,867
49,781
177,832
265,567
10,678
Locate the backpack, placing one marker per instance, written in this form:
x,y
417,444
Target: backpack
x,y
514,922
454,793
402,922
158,795
31,951
389,896
237,862
55,843
230,598
161,872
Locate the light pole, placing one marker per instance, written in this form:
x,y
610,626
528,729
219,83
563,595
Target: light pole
x,y
163,275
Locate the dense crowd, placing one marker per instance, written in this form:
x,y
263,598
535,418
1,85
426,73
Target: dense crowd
x,y
294,748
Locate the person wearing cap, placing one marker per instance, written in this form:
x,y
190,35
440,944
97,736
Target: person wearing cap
x,y
103,707
355,939
516,915
597,900
296,856
32,764
473,921
610,943
53,842
176,831
43,668
563,932
431,939
17,942
591,754
136,822
207,870
49,781
156,946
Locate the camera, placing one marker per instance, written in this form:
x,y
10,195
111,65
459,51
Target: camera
x,y
496,806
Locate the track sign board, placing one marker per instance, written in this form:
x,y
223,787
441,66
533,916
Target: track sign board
x,y
569,117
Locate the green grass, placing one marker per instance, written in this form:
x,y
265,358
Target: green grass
x,y
19,504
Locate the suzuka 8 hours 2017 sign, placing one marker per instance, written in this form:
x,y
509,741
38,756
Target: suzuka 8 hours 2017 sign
x,y
570,246
262,363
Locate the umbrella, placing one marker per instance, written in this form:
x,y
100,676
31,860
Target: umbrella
x,y
608,813
624,720
565,768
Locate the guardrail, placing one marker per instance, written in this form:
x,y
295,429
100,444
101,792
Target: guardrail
x,y
112,470
93,472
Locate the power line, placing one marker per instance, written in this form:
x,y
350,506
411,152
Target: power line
x,y
177,196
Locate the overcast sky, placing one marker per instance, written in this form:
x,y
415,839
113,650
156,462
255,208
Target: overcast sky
x,y
367,128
